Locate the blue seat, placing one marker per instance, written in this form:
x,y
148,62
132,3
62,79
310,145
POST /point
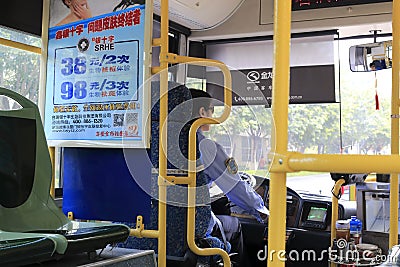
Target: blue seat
x,y
25,178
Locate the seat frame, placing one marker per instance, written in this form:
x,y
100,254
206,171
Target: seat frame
x,y
38,213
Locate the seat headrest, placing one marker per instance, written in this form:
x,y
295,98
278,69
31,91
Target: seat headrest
x,y
179,102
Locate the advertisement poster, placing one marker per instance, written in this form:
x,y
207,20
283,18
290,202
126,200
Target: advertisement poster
x,y
95,73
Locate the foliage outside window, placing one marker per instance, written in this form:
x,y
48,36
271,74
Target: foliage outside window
x,y
225,142
365,129
315,128
19,69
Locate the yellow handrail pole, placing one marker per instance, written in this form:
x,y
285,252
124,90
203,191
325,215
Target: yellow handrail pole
x,y
280,105
394,179
53,176
352,193
162,202
192,162
164,179
191,180
42,82
192,202
335,206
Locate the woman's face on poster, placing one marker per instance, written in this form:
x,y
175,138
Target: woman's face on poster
x,y
81,3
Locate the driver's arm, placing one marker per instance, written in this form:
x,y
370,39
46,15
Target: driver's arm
x,y
239,192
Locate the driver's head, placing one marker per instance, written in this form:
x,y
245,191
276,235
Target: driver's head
x,y
202,103
202,106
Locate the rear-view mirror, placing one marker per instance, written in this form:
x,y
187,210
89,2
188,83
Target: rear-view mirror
x,y
371,57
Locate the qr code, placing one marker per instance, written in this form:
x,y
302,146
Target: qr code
x,y
131,119
118,120
131,122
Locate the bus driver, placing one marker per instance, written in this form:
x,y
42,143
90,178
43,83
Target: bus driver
x,y
222,169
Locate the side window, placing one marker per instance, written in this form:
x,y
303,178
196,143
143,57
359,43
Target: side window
x,y
20,72
246,149
225,142
19,69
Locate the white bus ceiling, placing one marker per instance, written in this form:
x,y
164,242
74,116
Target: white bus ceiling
x,y
255,18
232,18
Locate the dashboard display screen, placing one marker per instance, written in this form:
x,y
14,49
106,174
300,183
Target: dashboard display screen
x,y
317,214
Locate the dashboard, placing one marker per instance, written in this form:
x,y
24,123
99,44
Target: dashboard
x,y
308,223
315,215
305,210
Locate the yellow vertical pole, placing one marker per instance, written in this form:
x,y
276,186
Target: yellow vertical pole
x,y
162,203
335,210
335,206
394,179
43,58
352,191
280,102
42,83
53,171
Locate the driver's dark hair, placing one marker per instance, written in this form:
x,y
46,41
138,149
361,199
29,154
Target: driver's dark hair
x,y
201,99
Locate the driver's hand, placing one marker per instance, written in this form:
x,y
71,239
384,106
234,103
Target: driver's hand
x,y
264,217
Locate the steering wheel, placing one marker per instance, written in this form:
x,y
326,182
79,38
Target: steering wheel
x,y
248,178
219,198
216,192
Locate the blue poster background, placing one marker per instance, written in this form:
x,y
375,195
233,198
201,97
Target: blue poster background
x,y
94,78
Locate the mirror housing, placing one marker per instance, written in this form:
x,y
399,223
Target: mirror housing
x,y
349,178
370,57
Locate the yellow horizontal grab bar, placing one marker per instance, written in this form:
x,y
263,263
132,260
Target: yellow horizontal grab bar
x,y
338,163
173,180
156,42
21,46
173,58
155,70
140,232
143,233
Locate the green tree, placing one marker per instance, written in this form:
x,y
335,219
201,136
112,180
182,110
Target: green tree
x,y
251,121
364,126
19,69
